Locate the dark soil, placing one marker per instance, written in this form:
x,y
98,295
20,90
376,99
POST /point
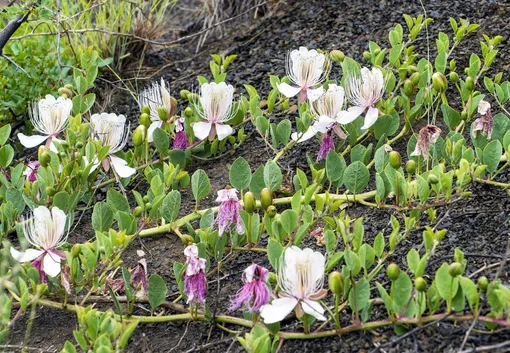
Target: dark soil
x,y
478,225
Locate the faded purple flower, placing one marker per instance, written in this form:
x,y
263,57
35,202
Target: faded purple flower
x,y
180,141
255,293
31,171
428,135
327,144
485,122
195,282
139,275
65,278
228,213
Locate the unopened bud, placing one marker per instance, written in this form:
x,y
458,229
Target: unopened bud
x,y
146,110
145,120
184,93
420,284
411,166
173,106
455,269
483,283
44,156
249,202
439,82
408,87
266,198
367,56
470,83
433,179
271,211
415,78
337,56
139,135
393,272
188,112
65,92
75,250
336,283
163,113
50,191
395,159
137,212
454,76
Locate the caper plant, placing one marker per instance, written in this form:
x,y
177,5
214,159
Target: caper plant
x,y
453,122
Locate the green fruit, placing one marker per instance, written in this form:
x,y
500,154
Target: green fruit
x,y
408,87
411,166
266,198
145,120
336,283
420,284
433,179
395,159
470,83
249,202
393,271
367,56
137,212
483,283
439,82
337,56
454,77
271,211
455,269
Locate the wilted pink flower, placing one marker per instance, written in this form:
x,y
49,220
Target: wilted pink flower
x,y
485,122
428,135
195,282
228,213
65,279
31,171
139,275
180,141
255,291
327,145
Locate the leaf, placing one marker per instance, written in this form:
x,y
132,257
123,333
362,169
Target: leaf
x,y
5,132
157,290
330,240
102,217
413,258
353,262
6,155
274,253
272,175
403,288
451,116
117,201
171,205
257,182
379,245
356,177
161,140
200,185
289,220
240,174
362,291
445,285
335,166
491,155
333,260
386,125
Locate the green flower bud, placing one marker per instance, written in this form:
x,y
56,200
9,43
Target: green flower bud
x,y
393,272
266,198
415,78
395,159
187,239
271,211
337,56
163,113
408,87
173,106
137,212
184,93
410,166
470,83
77,156
148,206
50,191
145,120
463,115
483,283
62,155
249,202
75,250
420,284
433,179
67,93
439,82
139,135
453,64
146,110
367,56
69,86
44,156
455,269
145,199
273,279
336,283
188,112
411,69
79,145
453,76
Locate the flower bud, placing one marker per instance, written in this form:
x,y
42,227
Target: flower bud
x,y
393,271
455,269
163,113
483,283
336,283
188,112
395,159
470,83
408,87
65,92
145,120
75,250
463,114
367,56
415,78
271,211
453,76
184,93
146,110
411,166
420,284
44,156
139,135
69,86
337,56
145,199
273,279
137,212
50,191
173,106
187,239
79,145
453,64
266,198
439,82
77,156
148,206
249,202
433,179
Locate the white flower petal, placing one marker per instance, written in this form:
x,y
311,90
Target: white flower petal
x,y
323,123
202,129
308,134
370,117
51,264
31,141
152,127
288,90
350,115
121,167
223,131
313,308
314,94
277,310
59,222
27,255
